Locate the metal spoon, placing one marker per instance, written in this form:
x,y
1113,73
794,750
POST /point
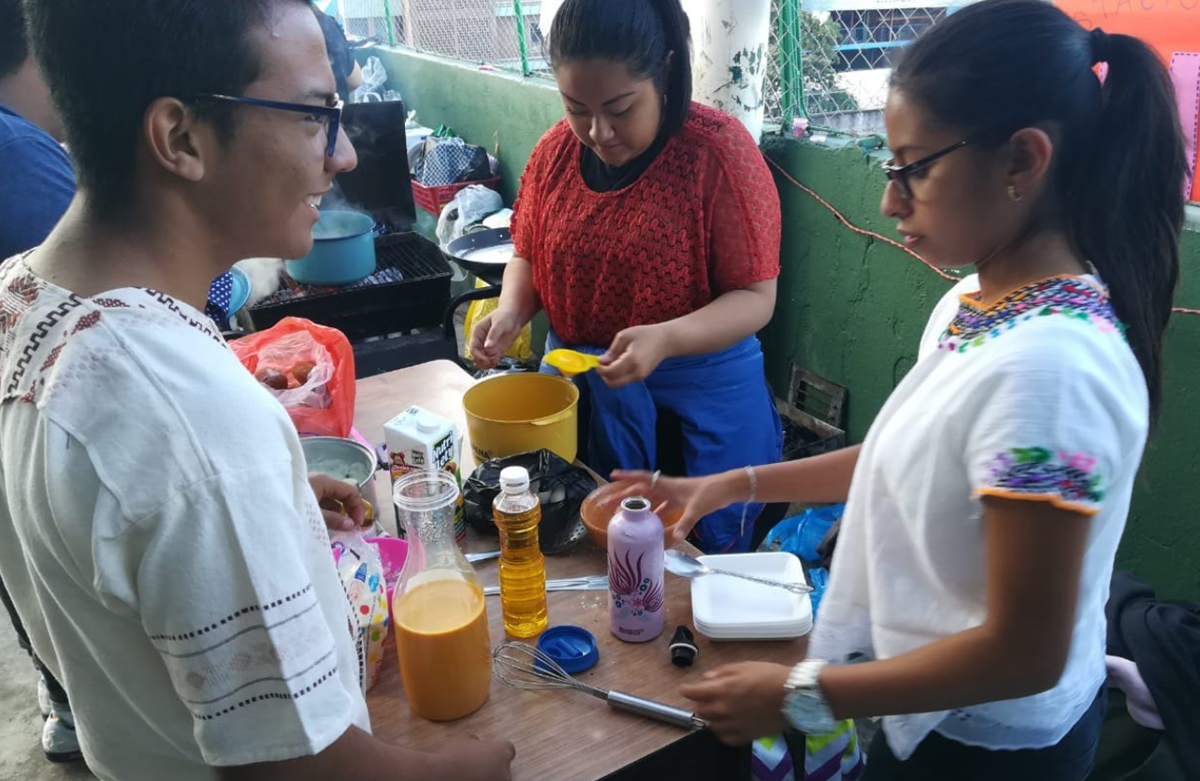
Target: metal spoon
x,y
685,566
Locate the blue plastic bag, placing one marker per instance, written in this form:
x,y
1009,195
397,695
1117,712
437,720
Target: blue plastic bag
x,y
818,578
801,534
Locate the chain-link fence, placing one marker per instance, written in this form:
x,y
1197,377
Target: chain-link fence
x,y
830,59
833,58
501,33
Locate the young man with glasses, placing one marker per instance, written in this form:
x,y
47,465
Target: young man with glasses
x,y
169,555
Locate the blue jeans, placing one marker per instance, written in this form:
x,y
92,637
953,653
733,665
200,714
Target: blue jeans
x,y
939,758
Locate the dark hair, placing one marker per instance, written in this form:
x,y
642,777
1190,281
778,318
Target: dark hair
x,y
994,68
14,49
639,33
106,62
338,49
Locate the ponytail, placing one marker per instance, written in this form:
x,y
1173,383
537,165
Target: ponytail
x,y
1119,167
678,83
651,37
1137,168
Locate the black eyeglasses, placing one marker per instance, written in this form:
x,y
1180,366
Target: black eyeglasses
x,y
331,116
900,173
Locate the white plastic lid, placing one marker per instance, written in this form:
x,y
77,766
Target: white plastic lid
x,y
514,480
426,423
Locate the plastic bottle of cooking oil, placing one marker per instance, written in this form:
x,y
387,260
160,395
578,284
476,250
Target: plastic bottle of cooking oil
x,y
522,566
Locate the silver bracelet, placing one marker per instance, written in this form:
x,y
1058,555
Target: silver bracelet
x,y
753,495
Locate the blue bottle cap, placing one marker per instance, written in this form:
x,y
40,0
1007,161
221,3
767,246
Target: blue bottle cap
x,y
573,647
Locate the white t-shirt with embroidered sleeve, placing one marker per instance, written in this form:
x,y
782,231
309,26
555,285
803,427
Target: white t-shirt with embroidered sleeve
x,y
173,567
1038,397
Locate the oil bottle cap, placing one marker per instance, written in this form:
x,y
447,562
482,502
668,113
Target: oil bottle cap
x,y
573,647
514,480
683,647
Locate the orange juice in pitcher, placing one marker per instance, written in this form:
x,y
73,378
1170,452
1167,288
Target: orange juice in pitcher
x,y
440,616
444,650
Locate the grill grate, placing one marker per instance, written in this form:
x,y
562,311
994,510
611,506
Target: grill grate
x,y
395,263
409,289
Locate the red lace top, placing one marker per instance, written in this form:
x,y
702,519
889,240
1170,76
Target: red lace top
x,y
701,221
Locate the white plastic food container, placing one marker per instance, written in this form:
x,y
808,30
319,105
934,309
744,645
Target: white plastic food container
x,y
726,608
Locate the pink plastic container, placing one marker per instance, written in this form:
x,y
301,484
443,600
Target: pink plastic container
x,y
393,551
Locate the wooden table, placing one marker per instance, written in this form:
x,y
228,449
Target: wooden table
x,y
559,735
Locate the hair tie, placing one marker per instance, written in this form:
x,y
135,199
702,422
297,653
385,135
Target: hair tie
x,y
1101,43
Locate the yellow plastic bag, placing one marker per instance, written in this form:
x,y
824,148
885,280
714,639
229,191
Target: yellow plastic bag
x,y
521,349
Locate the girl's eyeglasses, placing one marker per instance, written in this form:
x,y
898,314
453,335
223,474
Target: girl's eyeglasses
x,y
331,116
900,173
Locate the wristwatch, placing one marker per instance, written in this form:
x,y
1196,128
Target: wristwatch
x,y
804,704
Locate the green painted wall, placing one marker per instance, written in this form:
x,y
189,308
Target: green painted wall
x,y
850,308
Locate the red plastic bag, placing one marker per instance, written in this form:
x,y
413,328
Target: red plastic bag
x,y
321,403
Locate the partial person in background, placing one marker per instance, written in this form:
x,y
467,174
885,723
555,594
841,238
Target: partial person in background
x,y
346,72
647,227
38,185
987,502
163,543
38,182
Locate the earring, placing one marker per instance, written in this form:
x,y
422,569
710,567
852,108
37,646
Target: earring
x,y
664,98
1013,195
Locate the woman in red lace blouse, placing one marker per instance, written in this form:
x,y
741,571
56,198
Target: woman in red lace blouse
x,y
647,228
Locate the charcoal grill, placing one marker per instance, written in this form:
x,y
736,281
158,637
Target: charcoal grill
x,y
409,290
393,318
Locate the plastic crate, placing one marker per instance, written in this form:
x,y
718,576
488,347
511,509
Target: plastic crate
x,y
811,415
434,199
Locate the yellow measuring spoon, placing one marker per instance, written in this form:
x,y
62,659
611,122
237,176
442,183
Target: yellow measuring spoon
x,y
570,362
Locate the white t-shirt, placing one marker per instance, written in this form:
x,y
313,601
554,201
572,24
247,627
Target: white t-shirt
x,y
161,541
1038,397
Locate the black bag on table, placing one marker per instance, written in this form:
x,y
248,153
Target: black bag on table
x,y
561,487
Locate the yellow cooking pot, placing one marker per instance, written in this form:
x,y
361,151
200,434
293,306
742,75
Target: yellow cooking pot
x,y
519,413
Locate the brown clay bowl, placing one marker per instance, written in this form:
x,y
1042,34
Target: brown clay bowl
x,y
597,517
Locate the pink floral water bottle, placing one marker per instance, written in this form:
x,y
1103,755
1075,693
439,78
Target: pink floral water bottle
x,y
635,572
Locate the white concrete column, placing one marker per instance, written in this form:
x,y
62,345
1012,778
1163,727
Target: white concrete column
x,y
730,47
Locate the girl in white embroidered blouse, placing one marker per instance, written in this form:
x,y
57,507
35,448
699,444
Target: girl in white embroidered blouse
x,y
985,506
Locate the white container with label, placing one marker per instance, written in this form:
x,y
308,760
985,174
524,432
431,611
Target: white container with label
x,y
418,439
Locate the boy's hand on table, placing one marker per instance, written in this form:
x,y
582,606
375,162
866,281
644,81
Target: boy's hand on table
x,y
341,504
475,759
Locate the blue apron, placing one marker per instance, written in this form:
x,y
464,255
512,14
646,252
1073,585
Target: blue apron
x,y
728,416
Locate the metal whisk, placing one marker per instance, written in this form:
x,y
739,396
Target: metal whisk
x,y
525,667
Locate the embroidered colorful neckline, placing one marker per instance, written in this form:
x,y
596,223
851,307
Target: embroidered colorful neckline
x,y
1074,297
